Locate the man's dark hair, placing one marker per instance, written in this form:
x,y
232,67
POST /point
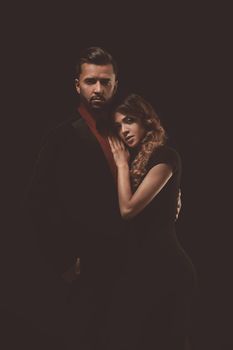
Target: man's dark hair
x,y
95,55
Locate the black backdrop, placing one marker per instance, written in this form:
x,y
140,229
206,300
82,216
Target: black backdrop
x,y
174,55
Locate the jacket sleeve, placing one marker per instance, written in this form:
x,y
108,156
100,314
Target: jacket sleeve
x,y
44,210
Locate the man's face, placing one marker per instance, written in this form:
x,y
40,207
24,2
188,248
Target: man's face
x,y
96,85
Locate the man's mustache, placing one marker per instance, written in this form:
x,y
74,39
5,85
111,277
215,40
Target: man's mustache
x,y
99,98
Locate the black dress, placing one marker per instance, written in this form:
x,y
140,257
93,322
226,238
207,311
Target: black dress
x,y
151,303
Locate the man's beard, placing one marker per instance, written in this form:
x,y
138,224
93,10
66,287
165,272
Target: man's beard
x,y
97,102
98,110
101,114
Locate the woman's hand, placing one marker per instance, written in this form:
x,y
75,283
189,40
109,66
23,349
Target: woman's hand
x,y
120,153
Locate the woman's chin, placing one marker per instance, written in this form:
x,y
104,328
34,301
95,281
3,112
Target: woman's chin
x,y
133,144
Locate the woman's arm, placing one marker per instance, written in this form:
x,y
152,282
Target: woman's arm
x,y
132,204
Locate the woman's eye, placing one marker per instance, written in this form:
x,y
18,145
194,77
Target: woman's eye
x,y
129,120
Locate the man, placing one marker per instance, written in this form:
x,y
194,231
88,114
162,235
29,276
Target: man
x,y
72,200
73,204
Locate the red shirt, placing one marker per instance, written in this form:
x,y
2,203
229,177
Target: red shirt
x,y
103,141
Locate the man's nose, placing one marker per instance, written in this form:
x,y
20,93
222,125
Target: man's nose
x,y
98,88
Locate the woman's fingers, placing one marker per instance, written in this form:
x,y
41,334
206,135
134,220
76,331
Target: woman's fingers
x,y
122,145
115,144
110,142
119,151
119,144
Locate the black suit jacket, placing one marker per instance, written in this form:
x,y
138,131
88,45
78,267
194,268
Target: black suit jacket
x,y
72,202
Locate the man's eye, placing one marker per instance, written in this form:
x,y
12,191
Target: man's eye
x,y
90,81
105,82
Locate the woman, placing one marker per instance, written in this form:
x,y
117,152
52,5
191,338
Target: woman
x,y
151,304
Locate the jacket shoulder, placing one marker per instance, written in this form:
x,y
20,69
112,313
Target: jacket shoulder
x,y
62,130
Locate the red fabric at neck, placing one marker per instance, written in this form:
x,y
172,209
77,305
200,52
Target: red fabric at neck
x,y
103,141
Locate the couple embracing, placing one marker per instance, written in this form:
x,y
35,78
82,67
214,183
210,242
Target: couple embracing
x,y
104,199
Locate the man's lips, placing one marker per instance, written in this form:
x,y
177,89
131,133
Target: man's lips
x,y
97,99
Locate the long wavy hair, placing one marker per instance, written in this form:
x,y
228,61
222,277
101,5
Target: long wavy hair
x,y
136,106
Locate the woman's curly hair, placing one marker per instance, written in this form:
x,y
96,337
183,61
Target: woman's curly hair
x,y
135,106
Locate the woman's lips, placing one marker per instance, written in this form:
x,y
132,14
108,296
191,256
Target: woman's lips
x,y
129,139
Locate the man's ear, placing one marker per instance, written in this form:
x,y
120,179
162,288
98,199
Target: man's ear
x,y
77,86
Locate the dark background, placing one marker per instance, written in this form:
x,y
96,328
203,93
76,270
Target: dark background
x,y
176,56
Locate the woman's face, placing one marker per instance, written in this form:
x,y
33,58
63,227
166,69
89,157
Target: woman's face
x,y
129,129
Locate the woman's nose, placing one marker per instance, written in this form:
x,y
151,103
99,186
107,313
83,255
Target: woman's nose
x,y
124,129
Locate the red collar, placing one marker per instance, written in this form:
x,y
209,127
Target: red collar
x,y
85,114
103,141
